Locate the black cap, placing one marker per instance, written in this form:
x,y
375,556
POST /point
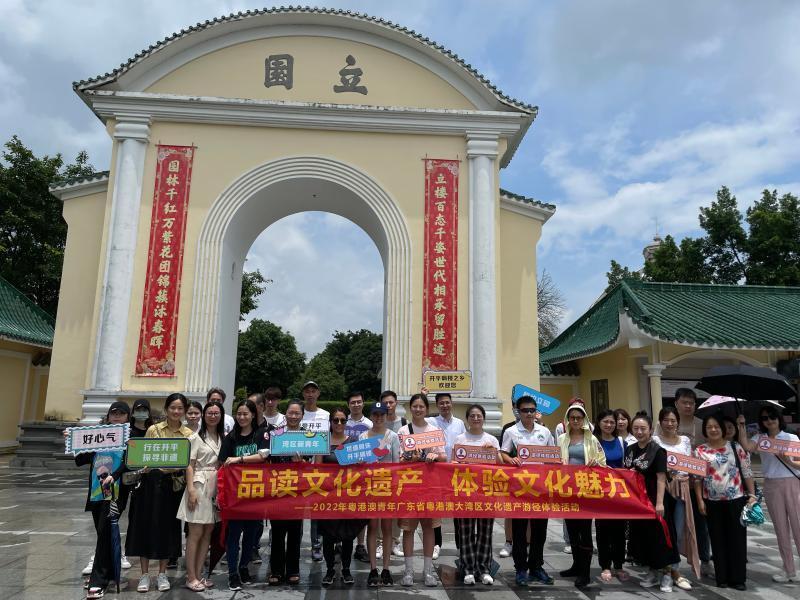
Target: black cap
x,y
378,407
120,406
141,403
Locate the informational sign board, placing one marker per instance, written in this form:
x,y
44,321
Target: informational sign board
x,y
463,453
304,443
453,382
158,453
773,446
531,453
686,464
94,438
420,441
546,405
362,451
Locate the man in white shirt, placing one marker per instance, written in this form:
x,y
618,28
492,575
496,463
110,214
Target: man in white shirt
x,y
218,394
452,427
272,396
528,560
314,419
357,423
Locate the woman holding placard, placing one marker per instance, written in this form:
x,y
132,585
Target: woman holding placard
x,y
781,486
680,491
419,410
475,550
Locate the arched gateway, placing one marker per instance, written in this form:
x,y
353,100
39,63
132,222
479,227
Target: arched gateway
x,y
224,128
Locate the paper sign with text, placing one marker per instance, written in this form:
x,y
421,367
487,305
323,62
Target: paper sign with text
x,y
530,453
420,441
686,464
158,453
94,438
362,451
775,446
453,382
304,443
463,453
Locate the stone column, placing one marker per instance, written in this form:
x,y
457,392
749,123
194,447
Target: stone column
x,y
654,377
132,133
482,153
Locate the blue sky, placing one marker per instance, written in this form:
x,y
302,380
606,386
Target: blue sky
x,y
646,109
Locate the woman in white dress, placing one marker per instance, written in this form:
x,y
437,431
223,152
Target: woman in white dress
x,y
197,505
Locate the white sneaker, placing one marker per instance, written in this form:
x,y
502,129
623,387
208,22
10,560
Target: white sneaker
x,y
144,583
379,551
650,581
87,570
794,579
487,579
567,549
779,578
408,579
430,579
162,582
666,583
397,550
469,579
124,562
505,551
436,550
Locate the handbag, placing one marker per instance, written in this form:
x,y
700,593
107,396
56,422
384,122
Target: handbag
x,y
178,482
756,488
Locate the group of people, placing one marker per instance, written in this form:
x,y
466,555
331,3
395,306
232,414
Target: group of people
x,y
695,515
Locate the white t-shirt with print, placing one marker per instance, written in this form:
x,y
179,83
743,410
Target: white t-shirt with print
x,y
316,420
517,434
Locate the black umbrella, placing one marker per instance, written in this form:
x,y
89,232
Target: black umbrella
x,y
733,407
744,381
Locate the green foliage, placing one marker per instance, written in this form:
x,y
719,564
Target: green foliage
x,y
266,356
761,248
322,370
253,285
32,230
362,366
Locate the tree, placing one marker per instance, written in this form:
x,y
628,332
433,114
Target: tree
x,y
253,285
32,230
321,370
267,356
761,248
551,305
362,366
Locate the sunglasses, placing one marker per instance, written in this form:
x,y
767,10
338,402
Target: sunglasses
x,y
768,418
527,411
339,421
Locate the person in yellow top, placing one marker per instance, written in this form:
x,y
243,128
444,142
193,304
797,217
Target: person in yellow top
x,y
155,533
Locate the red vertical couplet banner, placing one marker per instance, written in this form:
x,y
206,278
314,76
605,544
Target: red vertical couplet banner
x,y
440,284
156,357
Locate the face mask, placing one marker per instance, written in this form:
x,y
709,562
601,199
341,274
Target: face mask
x,y
141,415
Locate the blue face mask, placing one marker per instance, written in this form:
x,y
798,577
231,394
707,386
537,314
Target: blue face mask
x,y
141,415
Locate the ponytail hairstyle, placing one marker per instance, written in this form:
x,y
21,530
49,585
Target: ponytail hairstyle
x,y
642,415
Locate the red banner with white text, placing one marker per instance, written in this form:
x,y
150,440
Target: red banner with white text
x,y
156,357
440,274
421,490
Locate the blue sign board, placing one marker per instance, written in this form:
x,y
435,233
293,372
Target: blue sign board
x,y
304,443
361,451
547,405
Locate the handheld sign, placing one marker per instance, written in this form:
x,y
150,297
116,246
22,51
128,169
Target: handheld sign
x,y
686,464
158,453
463,453
453,382
362,451
94,438
530,453
545,404
304,443
775,446
419,441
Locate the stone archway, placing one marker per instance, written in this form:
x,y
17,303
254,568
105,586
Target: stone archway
x,y
249,205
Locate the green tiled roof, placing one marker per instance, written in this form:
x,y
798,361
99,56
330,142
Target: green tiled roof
x,y
21,320
705,316
526,200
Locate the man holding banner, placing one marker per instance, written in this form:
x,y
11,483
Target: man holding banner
x,y
528,559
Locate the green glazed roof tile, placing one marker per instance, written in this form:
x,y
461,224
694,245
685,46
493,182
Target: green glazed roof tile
x,y
21,320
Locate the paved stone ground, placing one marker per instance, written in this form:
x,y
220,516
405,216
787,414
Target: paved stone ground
x,y
46,539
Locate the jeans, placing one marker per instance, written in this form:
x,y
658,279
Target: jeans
x,y
245,531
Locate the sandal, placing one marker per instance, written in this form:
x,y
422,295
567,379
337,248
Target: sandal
x,y
274,580
197,586
293,579
623,575
207,583
95,593
605,576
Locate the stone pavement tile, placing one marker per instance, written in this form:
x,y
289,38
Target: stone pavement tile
x,y
48,592
25,577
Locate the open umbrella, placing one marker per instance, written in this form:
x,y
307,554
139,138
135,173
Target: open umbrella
x,y
733,407
745,381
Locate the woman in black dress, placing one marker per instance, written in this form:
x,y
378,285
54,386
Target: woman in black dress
x,y
653,541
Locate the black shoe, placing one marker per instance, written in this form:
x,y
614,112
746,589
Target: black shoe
x,y
347,577
234,583
582,582
256,560
386,577
172,563
328,578
244,576
374,579
361,553
739,586
571,572
722,585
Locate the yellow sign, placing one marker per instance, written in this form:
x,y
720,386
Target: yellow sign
x,y
454,382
